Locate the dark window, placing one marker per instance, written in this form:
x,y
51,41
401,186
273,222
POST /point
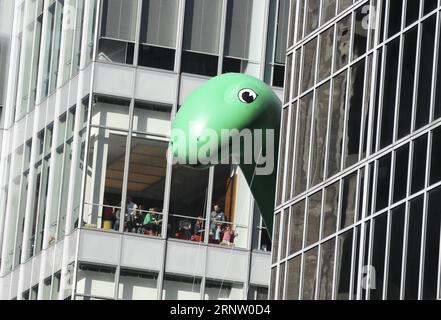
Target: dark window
x,y
425,72
232,65
407,82
429,5
389,93
366,254
360,34
198,63
278,75
378,255
354,112
400,175
383,182
414,249
395,252
377,100
395,10
413,11
156,57
419,164
431,255
343,265
326,270
435,167
276,234
116,51
348,201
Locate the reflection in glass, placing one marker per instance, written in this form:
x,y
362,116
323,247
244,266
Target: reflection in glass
x,y
303,145
309,56
337,124
342,46
296,227
327,270
281,281
435,168
290,160
328,10
276,235
360,33
312,16
293,278
310,274
330,211
319,131
325,53
314,214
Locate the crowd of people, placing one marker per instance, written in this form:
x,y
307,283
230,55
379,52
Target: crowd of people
x,y
149,222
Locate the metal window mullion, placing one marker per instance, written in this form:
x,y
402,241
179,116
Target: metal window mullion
x,y
221,39
357,201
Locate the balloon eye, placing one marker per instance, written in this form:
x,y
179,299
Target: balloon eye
x,y
247,96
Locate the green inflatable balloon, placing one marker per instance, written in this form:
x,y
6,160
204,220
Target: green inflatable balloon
x,y
235,103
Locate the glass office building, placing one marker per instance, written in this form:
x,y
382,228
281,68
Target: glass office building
x,y
359,185
90,206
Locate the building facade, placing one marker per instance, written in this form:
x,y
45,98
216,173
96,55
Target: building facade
x,y
358,203
91,205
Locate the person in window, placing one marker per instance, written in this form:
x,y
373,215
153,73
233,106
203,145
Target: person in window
x,y
216,216
108,216
227,236
131,209
198,230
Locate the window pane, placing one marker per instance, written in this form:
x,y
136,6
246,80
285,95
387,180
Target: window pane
x,y
354,113
281,281
78,38
431,256
159,22
56,46
282,150
202,25
319,132
119,19
146,184
282,31
400,175
395,252
383,182
238,28
293,278
326,47
419,164
412,11
275,242
309,56
435,168
413,249
389,92
314,214
198,63
407,82
296,227
327,270
330,211
343,265
378,256
337,124
312,16
395,13
290,160
348,200
425,72
303,144
328,10
310,274
342,47
360,33
105,170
